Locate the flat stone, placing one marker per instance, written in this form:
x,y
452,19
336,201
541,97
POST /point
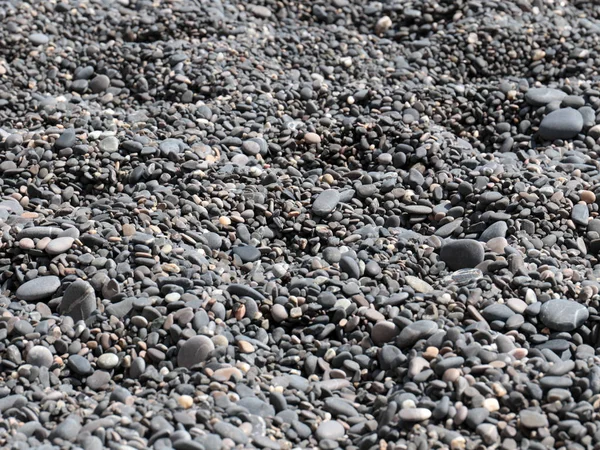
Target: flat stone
x,y
563,314
497,311
462,254
331,429
59,245
38,288
563,123
78,301
247,253
414,414
107,361
418,285
326,202
67,139
580,214
98,380
194,351
531,419
38,39
543,96
415,331
79,365
229,431
495,230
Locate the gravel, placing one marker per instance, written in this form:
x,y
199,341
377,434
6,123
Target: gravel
x,y
290,225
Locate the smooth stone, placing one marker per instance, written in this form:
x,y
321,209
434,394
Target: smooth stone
x,y
418,285
247,253
67,139
580,214
497,311
495,230
414,414
59,245
40,356
326,202
213,240
531,419
349,266
279,313
98,380
99,83
561,124
229,431
39,39
38,288
109,144
241,290
107,361
79,365
338,407
543,96
563,314
383,332
331,429
416,331
78,301
462,254
67,430
194,351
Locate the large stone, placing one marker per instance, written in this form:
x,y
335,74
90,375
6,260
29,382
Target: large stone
x,y
326,202
543,96
194,351
563,314
462,254
563,123
38,288
78,301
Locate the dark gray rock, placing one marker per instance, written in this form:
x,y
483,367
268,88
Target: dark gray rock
x,y
561,124
563,314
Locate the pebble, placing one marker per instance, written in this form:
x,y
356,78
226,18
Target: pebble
x,y
462,254
330,429
414,414
78,301
40,356
326,202
194,351
561,124
38,288
59,245
563,314
107,361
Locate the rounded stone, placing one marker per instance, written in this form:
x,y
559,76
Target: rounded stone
x,y
563,314
331,429
78,301
59,245
40,356
326,202
462,254
194,351
38,288
563,123
107,361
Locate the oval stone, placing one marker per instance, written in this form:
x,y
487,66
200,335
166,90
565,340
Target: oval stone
x,y
194,351
38,288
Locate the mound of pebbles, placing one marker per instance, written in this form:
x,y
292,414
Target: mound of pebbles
x,y
280,225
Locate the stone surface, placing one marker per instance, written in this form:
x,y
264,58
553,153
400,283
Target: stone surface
x,y
561,124
563,314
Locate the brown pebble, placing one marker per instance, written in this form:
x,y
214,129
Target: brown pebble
x,y
312,138
587,197
246,347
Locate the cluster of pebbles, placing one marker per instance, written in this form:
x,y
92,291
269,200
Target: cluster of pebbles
x,y
280,225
